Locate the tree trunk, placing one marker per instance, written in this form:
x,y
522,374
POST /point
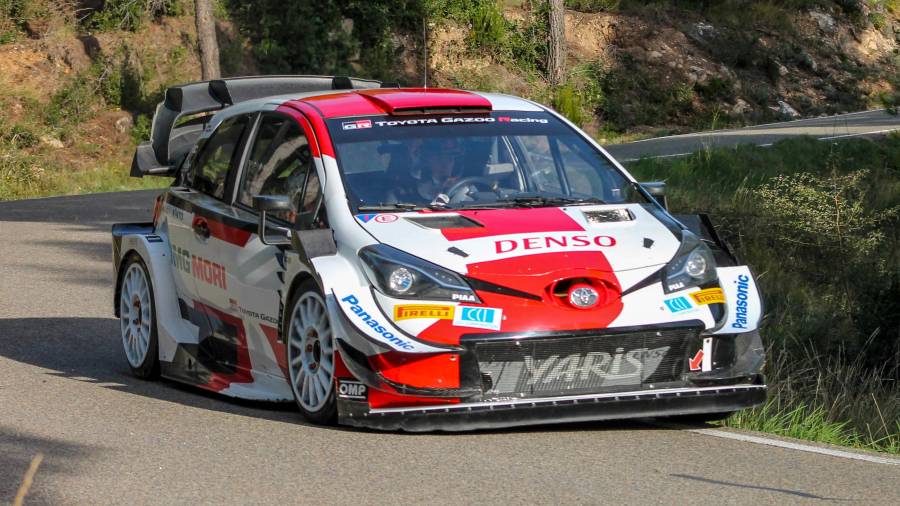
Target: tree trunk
x,y
206,35
556,64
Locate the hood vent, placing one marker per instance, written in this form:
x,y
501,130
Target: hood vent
x,y
445,221
608,216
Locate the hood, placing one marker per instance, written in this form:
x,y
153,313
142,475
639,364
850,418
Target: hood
x,y
537,242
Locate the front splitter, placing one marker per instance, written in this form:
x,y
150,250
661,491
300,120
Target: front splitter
x,y
567,409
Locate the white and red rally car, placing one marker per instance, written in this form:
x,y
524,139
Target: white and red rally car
x,y
422,259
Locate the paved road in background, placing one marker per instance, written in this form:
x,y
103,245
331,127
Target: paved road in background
x,y
108,438
858,124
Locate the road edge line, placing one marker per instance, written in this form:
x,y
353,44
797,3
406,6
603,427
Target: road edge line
x,y
747,438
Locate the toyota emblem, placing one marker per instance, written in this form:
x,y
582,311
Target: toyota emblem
x,y
583,296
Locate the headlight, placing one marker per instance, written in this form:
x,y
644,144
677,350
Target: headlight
x,y
693,265
404,276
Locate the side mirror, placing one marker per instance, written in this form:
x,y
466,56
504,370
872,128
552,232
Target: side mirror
x,y
657,190
269,203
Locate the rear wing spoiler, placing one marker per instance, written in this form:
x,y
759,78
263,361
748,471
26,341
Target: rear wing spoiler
x,y
170,141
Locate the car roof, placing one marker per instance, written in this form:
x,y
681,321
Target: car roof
x,y
383,101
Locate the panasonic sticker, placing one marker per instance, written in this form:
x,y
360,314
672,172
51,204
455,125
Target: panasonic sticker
x,y
369,319
742,300
478,317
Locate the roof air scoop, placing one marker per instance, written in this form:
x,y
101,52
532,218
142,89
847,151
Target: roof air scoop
x,y
427,101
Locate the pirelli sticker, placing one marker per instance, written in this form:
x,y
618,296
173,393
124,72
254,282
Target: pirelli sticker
x,y
709,296
421,311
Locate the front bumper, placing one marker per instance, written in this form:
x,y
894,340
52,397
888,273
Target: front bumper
x,y
566,409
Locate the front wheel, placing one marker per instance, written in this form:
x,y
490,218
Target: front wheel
x,y
137,318
310,354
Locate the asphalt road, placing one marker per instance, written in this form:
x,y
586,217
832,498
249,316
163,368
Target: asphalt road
x,y
108,438
857,124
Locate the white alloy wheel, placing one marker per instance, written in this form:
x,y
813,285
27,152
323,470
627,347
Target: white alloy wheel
x,y
311,353
136,315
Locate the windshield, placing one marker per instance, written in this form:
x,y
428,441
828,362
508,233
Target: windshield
x,y
505,159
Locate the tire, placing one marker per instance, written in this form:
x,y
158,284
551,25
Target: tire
x,y
310,354
137,319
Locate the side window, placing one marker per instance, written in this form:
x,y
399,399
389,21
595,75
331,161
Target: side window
x,y
218,156
278,163
583,171
541,167
310,211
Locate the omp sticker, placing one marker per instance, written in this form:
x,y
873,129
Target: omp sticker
x,y
417,311
744,307
357,125
709,296
352,390
678,304
385,218
478,317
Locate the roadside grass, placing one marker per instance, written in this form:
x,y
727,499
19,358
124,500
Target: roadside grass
x,y
28,177
820,225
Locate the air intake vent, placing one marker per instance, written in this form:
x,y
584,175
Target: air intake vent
x,y
608,216
445,221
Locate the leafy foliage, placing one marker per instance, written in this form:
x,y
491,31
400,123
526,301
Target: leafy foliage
x,y
326,37
819,224
130,14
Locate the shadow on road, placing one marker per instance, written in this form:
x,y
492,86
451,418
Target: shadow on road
x,y
16,451
795,493
88,350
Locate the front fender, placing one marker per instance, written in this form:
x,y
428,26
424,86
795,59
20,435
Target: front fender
x,y
350,299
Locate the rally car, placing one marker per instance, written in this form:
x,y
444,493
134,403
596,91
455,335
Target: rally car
x,y
422,259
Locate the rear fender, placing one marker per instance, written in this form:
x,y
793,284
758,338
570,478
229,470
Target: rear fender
x,y
154,250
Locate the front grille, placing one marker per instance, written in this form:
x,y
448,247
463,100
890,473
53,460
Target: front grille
x,y
584,364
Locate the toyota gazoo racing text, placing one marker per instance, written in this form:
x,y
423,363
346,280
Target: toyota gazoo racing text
x,y
423,259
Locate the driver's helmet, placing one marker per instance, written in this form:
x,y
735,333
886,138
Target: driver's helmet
x,y
434,151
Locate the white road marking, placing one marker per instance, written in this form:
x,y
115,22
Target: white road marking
x,y
792,446
859,134
766,145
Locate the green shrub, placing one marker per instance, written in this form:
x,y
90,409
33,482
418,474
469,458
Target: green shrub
x,y
75,102
820,222
489,27
140,132
569,103
17,136
593,5
130,14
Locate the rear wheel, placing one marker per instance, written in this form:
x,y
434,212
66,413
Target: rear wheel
x,y
310,354
137,319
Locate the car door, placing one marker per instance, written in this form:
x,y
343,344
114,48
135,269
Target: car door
x,y
279,162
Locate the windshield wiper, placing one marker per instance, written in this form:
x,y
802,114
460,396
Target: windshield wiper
x,y
386,208
403,206
543,201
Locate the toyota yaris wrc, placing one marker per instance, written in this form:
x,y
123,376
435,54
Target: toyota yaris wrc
x,y
423,259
